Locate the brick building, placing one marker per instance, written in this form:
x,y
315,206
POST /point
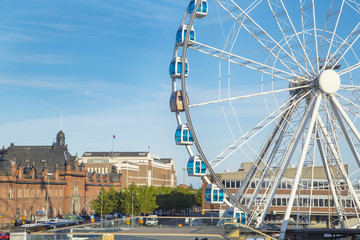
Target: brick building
x,y
31,175
141,168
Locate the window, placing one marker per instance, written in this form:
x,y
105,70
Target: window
x,y
237,184
321,202
19,193
26,193
11,193
273,202
232,184
316,202
284,201
227,184
252,184
278,201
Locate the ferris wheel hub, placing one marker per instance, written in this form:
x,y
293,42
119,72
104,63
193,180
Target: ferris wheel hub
x,y
329,81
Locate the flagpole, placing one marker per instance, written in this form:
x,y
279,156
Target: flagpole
x,y
112,147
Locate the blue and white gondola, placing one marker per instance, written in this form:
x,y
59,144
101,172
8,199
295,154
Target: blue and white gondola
x,y
175,67
213,194
201,11
234,212
183,135
196,167
181,34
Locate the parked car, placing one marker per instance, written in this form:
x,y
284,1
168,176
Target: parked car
x,y
77,218
86,219
4,235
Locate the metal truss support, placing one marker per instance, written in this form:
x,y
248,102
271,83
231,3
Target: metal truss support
x,y
300,166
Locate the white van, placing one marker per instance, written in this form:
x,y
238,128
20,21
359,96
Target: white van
x,y
151,220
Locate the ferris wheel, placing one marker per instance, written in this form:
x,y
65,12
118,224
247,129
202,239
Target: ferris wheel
x,y
275,83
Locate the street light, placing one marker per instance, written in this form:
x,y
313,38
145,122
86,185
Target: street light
x,y
132,205
47,195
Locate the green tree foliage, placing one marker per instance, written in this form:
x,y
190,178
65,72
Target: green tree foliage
x,y
106,201
145,199
179,199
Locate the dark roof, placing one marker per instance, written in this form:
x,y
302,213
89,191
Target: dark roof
x,y
40,157
115,154
5,167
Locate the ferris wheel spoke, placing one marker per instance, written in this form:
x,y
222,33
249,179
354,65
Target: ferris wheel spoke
x,y
349,69
346,45
261,36
350,87
352,107
227,152
328,58
328,31
247,96
287,29
315,35
306,12
245,62
354,5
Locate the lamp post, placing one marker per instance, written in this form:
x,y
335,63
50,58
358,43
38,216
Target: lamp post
x,y
102,197
132,206
47,195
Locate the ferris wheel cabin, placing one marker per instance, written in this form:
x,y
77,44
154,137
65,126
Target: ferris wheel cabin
x,y
213,194
196,167
181,34
202,10
175,68
176,101
234,212
183,135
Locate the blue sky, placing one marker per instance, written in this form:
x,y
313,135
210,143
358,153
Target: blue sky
x,y
103,64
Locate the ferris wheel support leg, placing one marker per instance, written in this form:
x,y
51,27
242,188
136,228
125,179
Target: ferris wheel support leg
x,y
255,168
330,179
300,167
339,163
346,133
284,126
338,106
269,195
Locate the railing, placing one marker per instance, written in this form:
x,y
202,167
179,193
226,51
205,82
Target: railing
x,y
211,228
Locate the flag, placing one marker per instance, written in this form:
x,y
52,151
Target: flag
x,y
149,147
113,136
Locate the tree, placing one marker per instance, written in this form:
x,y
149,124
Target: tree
x,y
178,199
147,199
106,202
